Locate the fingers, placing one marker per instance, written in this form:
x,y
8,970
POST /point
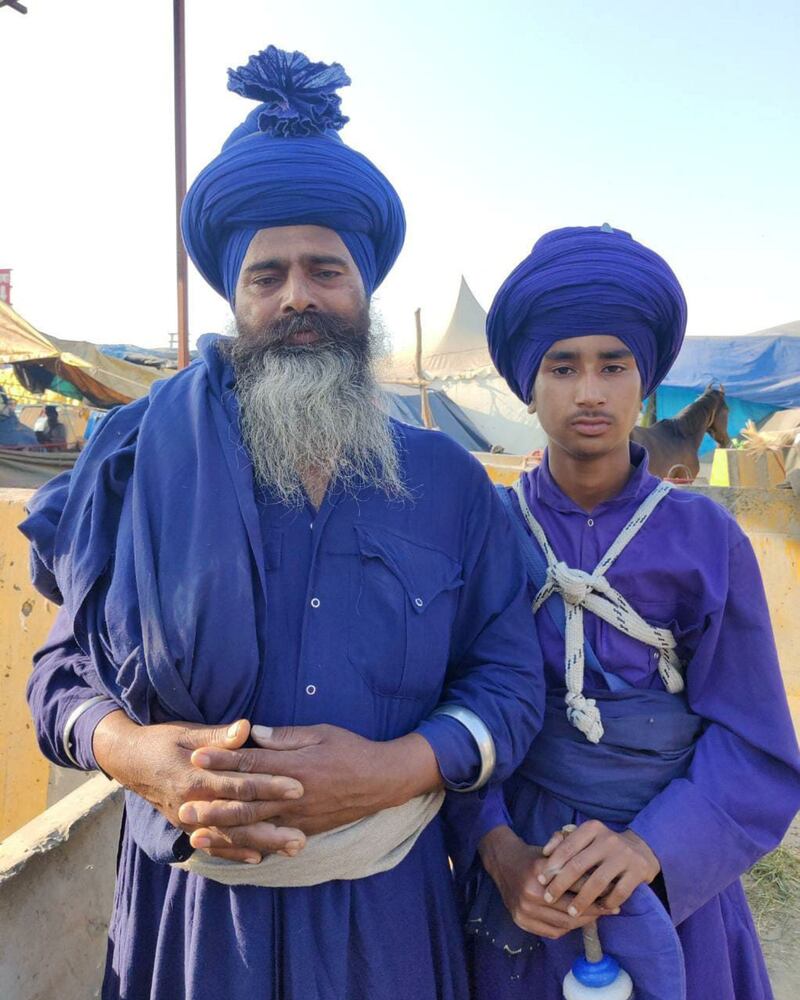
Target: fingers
x,y
235,854
286,737
231,737
258,838
245,760
230,812
573,870
573,843
207,786
596,885
622,891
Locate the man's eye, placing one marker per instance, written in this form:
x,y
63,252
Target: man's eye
x,y
327,274
562,370
615,369
265,279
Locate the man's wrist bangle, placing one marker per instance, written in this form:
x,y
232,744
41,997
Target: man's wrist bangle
x,y
72,718
479,731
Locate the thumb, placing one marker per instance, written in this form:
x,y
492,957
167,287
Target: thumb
x,y
284,737
231,737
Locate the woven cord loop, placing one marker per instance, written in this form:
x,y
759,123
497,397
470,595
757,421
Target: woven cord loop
x,y
580,590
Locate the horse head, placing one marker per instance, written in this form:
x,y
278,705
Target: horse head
x,y
718,414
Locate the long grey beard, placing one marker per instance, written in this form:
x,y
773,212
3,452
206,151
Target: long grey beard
x,y
314,412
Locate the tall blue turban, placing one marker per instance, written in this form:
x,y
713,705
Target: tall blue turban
x,y
580,281
285,165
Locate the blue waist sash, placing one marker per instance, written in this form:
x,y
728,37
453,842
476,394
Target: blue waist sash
x,y
649,741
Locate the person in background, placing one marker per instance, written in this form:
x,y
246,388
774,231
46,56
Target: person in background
x,y
13,433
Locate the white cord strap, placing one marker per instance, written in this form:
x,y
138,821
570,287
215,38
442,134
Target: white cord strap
x,y
72,718
592,591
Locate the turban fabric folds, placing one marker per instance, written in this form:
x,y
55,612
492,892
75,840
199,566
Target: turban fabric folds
x,y
285,165
580,281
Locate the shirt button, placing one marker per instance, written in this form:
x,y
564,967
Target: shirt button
x,y
311,689
314,602
418,601
590,522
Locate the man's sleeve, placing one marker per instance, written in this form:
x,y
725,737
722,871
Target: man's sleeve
x,y
743,786
496,664
57,688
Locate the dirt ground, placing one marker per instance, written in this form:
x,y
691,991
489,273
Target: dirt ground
x,y
780,936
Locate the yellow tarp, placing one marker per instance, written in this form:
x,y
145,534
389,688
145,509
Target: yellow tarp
x,y
104,381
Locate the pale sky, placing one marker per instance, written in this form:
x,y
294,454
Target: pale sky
x,y
495,122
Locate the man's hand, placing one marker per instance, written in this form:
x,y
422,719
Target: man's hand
x,y
155,762
515,868
614,865
344,778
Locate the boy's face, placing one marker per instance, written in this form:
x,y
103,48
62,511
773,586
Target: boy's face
x,y
588,393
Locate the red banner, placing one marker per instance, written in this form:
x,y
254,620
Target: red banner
x,y
5,285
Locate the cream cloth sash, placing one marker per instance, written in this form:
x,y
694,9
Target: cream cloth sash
x,y
366,847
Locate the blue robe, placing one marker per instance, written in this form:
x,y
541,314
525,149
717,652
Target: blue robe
x,y
710,780
188,594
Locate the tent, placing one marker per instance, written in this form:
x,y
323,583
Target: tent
x,y
760,373
459,363
403,403
70,367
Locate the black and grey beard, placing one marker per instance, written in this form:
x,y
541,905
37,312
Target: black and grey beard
x,y
314,410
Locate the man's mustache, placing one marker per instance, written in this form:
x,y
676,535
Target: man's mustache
x,y
329,329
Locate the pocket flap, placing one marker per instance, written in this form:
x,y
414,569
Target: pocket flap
x,y
423,572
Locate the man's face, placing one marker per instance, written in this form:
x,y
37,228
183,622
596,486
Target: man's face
x,y
588,393
290,272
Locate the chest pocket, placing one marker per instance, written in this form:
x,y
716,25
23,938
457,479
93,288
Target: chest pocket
x,y
404,598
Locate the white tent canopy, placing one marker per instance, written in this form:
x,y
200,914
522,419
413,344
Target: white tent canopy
x,y
460,364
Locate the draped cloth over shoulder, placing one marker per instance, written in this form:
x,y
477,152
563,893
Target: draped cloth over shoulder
x,y
285,165
580,281
152,598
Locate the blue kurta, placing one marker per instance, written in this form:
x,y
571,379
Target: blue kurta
x,y
372,612
729,780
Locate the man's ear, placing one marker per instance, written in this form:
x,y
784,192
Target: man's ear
x,y
532,406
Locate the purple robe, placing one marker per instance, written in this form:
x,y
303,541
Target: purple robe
x,y
731,774
364,614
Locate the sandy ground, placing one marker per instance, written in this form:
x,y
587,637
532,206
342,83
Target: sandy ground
x,y
780,937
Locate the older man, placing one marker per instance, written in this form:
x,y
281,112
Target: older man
x,y
257,546
667,739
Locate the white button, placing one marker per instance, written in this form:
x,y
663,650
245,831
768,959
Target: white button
x,y
314,602
590,522
655,654
311,689
418,601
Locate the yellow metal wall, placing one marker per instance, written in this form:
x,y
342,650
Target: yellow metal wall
x,y
771,519
25,618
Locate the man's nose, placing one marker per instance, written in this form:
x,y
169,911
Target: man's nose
x,y
589,390
298,294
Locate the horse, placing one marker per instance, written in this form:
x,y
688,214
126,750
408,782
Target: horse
x,y
672,445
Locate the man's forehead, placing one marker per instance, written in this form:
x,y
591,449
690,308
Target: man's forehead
x,y
589,345
294,242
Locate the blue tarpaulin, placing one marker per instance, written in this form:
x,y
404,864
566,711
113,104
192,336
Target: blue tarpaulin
x,y
404,404
760,373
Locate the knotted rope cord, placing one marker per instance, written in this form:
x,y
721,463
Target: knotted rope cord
x,y
593,592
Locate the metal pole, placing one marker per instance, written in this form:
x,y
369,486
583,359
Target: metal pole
x,y
424,402
179,60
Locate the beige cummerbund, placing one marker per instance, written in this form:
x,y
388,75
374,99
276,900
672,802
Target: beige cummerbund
x,y
368,846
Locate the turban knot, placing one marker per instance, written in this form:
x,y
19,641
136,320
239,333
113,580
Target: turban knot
x,y
285,165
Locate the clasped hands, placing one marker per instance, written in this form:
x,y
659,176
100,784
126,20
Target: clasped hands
x,y
242,803
573,880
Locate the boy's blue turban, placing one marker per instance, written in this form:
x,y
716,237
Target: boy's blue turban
x,y
581,281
